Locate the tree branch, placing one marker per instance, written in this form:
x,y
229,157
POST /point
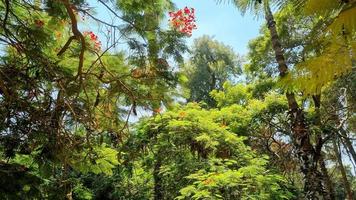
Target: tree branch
x,y
78,35
66,45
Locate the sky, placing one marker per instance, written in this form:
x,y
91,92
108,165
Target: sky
x,y
224,22
221,20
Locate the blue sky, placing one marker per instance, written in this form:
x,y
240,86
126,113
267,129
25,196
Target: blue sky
x,y
220,20
224,22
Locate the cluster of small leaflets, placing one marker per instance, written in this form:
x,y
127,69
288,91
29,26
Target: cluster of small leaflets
x,y
93,38
183,20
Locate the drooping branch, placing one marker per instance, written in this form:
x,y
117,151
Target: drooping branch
x,y
7,9
9,36
77,35
66,45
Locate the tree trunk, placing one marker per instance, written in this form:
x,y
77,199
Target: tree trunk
x,y
329,195
306,153
327,187
348,144
158,193
343,171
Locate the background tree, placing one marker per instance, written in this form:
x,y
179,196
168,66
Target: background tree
x,y
211,64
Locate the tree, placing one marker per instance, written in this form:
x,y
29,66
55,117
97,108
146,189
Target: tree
x,y
210,65
308,153
65,98
305,149
195,156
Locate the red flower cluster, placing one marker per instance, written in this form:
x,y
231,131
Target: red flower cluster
x,y
93,38
183,20
39,23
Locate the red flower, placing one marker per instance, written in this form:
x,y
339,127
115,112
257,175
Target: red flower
x,y
186,10
183,20
94,39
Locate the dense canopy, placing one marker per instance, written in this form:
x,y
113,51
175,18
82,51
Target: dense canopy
x,y
92,108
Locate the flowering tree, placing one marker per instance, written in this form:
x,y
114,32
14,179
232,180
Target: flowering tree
x,y
62,93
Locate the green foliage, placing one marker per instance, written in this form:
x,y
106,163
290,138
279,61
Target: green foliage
x,y
17,181
210,65
101,160
332,41
65,131
64,104
82,193
221,181
317,48
198,148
